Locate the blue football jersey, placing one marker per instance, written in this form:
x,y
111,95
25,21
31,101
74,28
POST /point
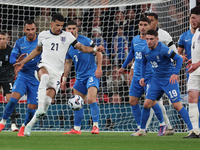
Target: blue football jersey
x,y
22,46
137,45
85,65
159,58
185,42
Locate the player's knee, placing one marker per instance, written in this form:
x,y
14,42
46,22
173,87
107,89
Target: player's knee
x,y
44,78
133,100
91,99
148,103
178,106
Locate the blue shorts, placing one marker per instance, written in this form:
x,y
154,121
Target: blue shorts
x,y
82,85
156,91
136,89
22,85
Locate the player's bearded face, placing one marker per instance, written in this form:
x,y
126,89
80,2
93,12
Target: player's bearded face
x,y
195,21
152,41
56,27
30,31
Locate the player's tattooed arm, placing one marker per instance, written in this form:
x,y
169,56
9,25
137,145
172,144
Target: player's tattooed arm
x,y
86,49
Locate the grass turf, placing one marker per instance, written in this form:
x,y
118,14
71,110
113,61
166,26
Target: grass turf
x,y
103,141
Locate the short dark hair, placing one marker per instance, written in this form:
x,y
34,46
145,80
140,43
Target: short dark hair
x,y
71,22
145,19
2,33
152,32
153,14
29,22
58,17
196,10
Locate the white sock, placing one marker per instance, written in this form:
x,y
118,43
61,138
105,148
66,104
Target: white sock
x,y
169,126
47,103
77,128
3,121
33,121
194,116
150,117
44,79
95,124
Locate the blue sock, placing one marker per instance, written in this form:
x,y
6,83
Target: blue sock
x,y
78,116
29,115
95,112
136,113
184,114
9,108
199,112
144,117
158,113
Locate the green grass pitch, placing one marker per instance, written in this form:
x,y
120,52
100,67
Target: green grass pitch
x,y
103,141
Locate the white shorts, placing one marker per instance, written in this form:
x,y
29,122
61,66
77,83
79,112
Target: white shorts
x,y
194,83
54,78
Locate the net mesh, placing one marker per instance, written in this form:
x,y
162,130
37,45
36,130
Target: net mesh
x,y
99,20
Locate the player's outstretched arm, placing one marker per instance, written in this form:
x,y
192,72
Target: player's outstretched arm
x,y
98,72
68,65
19,65
87,49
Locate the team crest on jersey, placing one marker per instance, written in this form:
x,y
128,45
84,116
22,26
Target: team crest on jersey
x,y
63,39
158,59
6,58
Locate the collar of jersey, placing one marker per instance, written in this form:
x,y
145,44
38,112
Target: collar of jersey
x,y
55,34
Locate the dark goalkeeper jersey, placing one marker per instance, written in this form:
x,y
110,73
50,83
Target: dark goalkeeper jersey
x,y
6,69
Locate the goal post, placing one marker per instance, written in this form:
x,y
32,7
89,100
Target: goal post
x,y
112,23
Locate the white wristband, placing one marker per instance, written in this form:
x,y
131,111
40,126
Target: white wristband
x,y
95,49
64,79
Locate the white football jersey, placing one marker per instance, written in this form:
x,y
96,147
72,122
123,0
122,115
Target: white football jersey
x,y
55,48
195,50
166,38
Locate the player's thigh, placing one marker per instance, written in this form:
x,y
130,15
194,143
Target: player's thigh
x,y
81,86
193,96
32,90
194,82
19,87
54,83
173,92
154,91
136,89
80,94
93,87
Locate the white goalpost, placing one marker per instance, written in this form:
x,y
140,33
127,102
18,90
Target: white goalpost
x,y
99,20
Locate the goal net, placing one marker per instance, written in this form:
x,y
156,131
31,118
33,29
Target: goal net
x,y
112,23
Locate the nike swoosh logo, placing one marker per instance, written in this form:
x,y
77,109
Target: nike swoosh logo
x,y
135,44
174,99
146,55
23,47
187,40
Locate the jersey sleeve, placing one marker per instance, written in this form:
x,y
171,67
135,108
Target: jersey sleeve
x,y
166,51
68,56
14,53
181,41
40,39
